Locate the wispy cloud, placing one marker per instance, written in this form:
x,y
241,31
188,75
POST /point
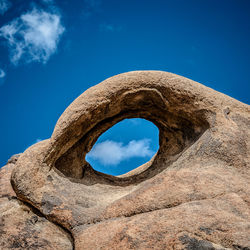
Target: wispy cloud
x,y
33,36
2,76
2,73
109,27
112,153
4,6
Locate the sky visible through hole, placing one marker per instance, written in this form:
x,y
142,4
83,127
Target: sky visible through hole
x,y
124,147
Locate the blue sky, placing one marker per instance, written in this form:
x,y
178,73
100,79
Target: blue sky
x,y
51,51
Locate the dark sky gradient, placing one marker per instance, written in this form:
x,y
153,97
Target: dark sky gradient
x,y
207,41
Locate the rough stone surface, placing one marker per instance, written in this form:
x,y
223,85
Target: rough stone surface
x,y
22,226
193,194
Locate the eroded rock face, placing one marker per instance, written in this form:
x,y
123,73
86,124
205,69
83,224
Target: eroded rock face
x,y
193,194
22,226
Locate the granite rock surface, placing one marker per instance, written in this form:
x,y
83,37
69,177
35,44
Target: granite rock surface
x,y
193,194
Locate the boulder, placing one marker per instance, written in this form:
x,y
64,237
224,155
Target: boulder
x,y
24,227
193,194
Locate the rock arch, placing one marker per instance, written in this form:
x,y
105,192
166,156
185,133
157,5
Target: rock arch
x,y
203,159
102,106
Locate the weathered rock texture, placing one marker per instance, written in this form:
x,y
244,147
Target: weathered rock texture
x,y
21,225
193,194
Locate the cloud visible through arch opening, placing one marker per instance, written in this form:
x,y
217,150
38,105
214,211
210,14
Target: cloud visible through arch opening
x,y
112,153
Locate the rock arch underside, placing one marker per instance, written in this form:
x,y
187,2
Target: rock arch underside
x,y
193,194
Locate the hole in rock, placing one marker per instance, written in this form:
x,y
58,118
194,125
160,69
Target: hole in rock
x,y
124,147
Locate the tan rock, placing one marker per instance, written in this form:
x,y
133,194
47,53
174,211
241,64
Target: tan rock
x,y
22,226
193,194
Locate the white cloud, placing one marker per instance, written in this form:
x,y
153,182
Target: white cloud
x,y
2,73
33,37
112,153
2,77
4,6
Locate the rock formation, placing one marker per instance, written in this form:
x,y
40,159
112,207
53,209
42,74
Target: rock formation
x,y
193,194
